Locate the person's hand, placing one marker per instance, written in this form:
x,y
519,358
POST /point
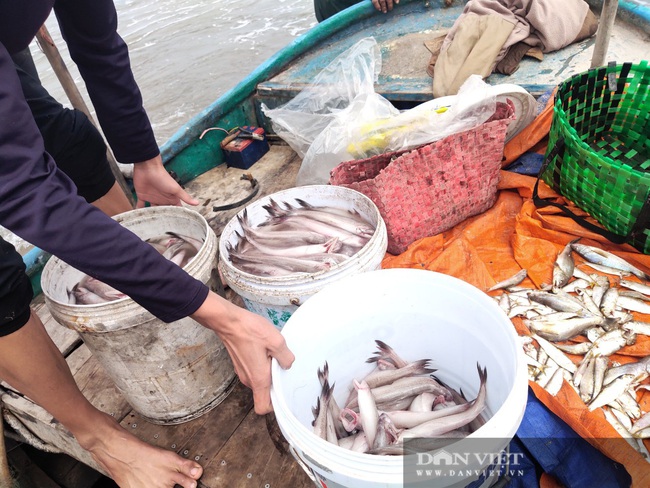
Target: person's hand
x,y
251,341
384,5
155,185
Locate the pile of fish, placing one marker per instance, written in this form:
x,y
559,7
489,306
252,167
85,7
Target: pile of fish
x,y
178,248
298,238
584,314
398,400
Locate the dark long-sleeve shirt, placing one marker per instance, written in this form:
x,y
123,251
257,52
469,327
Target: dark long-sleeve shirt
x,y
39,203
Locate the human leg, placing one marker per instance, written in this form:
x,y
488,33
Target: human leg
x,y
49,383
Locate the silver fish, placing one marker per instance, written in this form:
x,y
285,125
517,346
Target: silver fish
x,y
609,343
367,411
423,402
563,267
637,327
633,304
405,387
578,349
560,303
600,256
611,392
554,384
320,412
404,419
639,369
642,423
386,432
607,270
384,377
563,330
83,296
384,351
557,355
587,382
440,426
600,368
633,285
600,287
512,281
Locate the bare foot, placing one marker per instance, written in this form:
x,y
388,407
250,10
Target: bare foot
x,y
132,463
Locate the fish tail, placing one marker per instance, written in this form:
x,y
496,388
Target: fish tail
x,y
303,203
482,373
315,411
421,367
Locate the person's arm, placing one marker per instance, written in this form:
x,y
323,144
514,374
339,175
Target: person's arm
x,y
90,31
39,203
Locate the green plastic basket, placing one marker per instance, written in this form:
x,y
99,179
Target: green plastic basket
x,y
598,153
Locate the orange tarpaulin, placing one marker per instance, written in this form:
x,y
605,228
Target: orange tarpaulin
x,y
515,235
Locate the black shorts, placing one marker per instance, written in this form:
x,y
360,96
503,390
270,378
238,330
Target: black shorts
x,y
70,138
15,290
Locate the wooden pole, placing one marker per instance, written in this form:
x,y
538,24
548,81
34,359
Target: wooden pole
x,y
605,25
65,78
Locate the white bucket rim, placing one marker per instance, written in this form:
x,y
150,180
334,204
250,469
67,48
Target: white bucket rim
x,y
305,440
54,261
300,277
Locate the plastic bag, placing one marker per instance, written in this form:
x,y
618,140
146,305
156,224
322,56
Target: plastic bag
x,y
350,75
341,118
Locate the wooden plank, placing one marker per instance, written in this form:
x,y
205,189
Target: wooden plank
x,y
250,459
96,385
220,422
65,339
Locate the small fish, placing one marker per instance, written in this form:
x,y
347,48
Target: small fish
x,y
560,303
380,378
563,330
512,281
384,351
563,266
607,270
579,349
386,434
633,285
448,423
556,381
637,327
611,392
600,368
639,369
423,402
83,296
405,387
633,304
367,411
320,412
602,257
557,355
404,419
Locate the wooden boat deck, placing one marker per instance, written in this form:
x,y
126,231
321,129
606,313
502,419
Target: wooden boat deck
x,y
231,442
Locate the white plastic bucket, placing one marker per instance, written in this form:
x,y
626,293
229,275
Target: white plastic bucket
x,y
421,314
169,373
277,297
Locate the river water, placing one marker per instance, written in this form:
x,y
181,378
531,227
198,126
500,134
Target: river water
x,y
187,53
